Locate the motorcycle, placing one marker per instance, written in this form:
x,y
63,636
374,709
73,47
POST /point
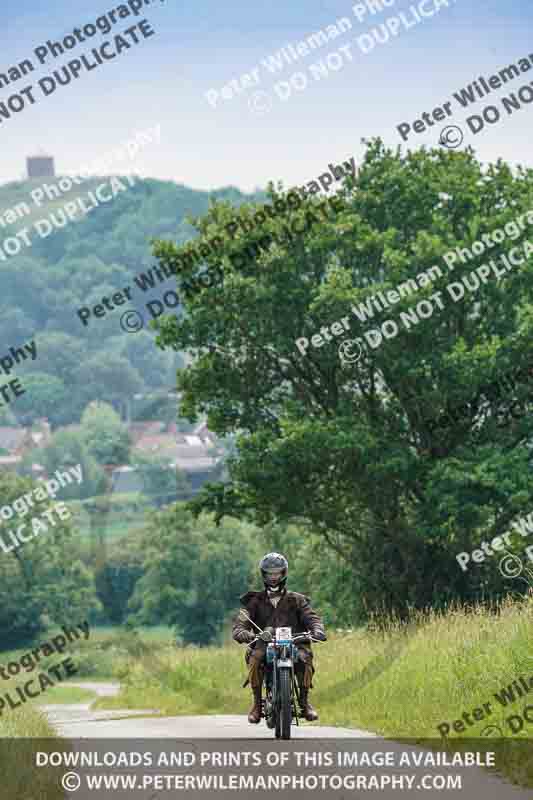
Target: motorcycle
x,y
280,706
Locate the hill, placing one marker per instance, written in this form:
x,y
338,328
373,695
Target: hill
x,y
74,266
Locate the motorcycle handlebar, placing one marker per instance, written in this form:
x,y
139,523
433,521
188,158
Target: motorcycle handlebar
x,y
299,636
306,636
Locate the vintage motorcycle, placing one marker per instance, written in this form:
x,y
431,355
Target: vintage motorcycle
x,y
280,706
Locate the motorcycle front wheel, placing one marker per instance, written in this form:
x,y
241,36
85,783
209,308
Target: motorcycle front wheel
x,y
284,706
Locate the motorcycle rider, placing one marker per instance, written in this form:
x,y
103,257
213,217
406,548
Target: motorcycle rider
x,y
272,608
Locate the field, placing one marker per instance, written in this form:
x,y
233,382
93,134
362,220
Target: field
x,y
110,517
398,683
21,778
401,682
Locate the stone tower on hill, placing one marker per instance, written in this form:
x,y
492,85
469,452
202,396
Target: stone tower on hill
x,y
40,166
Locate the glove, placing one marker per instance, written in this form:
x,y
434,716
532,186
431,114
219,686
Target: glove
x,y
247,637
266,636
319,636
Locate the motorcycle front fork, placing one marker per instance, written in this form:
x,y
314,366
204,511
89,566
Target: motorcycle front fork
x,y
268,699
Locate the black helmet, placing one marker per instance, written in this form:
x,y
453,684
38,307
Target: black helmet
x,y
274,568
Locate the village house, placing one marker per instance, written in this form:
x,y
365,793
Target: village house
x,y
195,454
15,443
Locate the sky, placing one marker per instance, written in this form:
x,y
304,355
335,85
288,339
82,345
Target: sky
x,y
272,130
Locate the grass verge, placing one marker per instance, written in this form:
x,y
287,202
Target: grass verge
x,y
64,693
21,778
401,683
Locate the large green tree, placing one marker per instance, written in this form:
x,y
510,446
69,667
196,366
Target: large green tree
x,y
44,396
68,449
117,569
155,367
106,437
60,353
193,573
109,377
160,481
43,582
348,452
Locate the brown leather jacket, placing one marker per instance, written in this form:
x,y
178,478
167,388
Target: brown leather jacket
x,y
293,610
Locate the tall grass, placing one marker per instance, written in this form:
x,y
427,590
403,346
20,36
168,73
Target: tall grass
x,y
23,732
454,662
400,682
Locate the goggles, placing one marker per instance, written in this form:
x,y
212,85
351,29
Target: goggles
x,y
273,576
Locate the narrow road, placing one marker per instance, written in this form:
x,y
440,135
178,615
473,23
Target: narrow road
x,y
79,723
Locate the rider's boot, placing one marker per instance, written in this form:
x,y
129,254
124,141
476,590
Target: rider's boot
x,y
308,712
255,712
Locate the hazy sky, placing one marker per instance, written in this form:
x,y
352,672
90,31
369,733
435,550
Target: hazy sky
x,y
203,45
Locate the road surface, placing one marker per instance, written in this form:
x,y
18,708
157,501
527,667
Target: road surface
x,y
77,720
128,730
